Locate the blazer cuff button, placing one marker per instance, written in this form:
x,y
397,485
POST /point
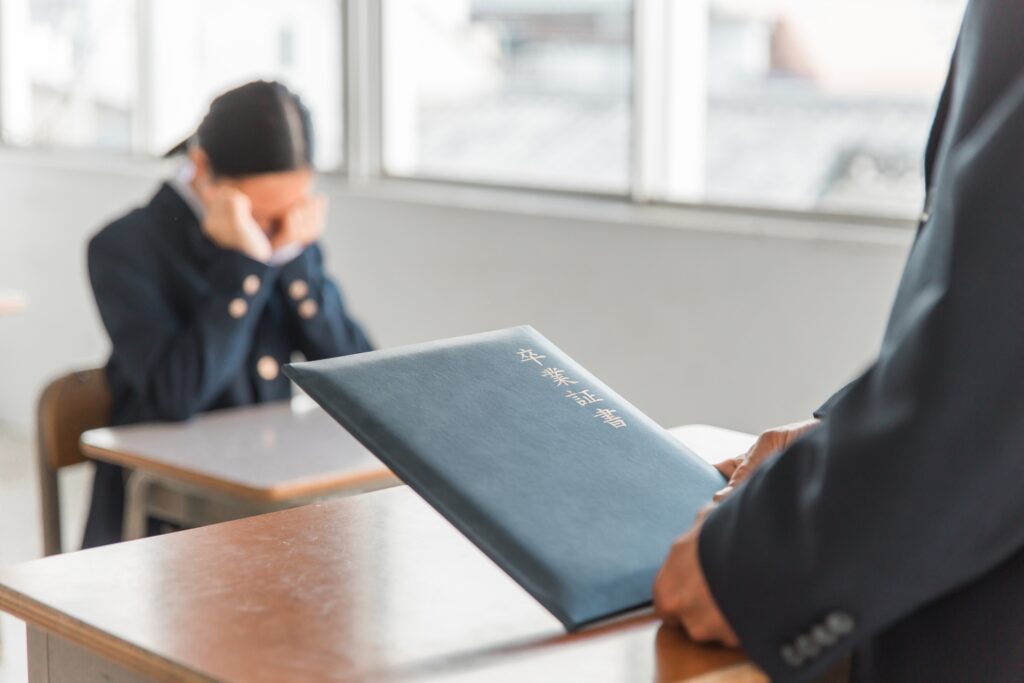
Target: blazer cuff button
x,y
791,657
251,284
267,367
238,308
298,290
840,623
308,309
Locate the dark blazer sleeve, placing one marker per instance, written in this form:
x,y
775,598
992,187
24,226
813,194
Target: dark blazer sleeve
x,y
912,486
826,407
321,324
177,367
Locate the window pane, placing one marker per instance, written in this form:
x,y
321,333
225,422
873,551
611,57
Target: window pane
x,y
201,48
69,72
817,104
531,92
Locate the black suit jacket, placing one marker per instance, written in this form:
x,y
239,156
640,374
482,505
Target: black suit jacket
x,y
895,530
194,327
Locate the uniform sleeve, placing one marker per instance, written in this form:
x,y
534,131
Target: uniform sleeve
x,y
179,368
911,487
826,407
321,324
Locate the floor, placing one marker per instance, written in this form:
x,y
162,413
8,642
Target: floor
x,y
20,533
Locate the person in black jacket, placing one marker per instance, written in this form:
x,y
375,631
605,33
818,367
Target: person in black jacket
x,y
215,283
892,527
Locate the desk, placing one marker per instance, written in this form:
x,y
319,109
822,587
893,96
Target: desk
x,y
373,588
234,463
11,302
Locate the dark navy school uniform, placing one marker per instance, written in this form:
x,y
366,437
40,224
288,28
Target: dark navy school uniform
x,y
195,327
895,530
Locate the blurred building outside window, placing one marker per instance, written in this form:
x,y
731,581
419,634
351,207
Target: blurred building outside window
x,y
823,104
792,104
68,73
200,48
820,105
521,92
138,75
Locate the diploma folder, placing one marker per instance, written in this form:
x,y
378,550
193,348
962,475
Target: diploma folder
x,y
572,491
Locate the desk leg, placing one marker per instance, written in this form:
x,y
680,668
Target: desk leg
x,y
136,511
38,664
52,659
150,494
188,505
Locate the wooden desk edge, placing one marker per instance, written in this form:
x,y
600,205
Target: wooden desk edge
x,y
111,647
148,664
736,673
296,490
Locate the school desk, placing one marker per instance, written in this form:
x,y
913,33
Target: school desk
x,y
235,463
373,588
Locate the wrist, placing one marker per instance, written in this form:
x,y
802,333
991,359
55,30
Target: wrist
x,y
230,272
258,252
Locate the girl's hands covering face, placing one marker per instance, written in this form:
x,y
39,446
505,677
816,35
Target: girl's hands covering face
x,y
302,224
229,223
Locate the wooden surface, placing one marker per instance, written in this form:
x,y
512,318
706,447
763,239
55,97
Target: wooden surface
x,y
269,452
373,588
11,302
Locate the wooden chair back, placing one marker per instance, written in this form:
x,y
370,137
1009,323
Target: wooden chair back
x,y
69,405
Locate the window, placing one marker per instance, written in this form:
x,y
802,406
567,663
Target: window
x,y
815,104
138,75
200,48
810,105
524,92
68,70
792,104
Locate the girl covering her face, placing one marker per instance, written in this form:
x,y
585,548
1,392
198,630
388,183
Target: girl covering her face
x,y
218,280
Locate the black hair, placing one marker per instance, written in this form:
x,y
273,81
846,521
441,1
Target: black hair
x,y
260,127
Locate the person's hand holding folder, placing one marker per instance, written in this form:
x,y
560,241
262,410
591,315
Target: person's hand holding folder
x,y
773,441
681,594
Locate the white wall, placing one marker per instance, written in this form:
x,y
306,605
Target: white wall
x,y
738,320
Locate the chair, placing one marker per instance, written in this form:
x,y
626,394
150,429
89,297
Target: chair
x,y
68,406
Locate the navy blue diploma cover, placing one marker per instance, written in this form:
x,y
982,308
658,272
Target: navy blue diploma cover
x,y
571,490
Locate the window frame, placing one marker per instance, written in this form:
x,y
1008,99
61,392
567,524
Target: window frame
x,y
363,106
629,194
143,99
652,23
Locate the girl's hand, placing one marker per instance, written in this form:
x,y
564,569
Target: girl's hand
x,y
303,224
229,222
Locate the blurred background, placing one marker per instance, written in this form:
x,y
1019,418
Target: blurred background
x,y
795,104
706,202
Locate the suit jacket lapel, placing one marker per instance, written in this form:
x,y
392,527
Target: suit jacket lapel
x,y
938,127
935,137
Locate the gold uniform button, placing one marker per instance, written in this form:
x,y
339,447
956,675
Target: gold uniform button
x,y
298,290
251,284
238,308
308,309
267,367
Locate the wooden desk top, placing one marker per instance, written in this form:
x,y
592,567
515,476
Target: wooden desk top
x,y
269,452
373,588
11,302
287,450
